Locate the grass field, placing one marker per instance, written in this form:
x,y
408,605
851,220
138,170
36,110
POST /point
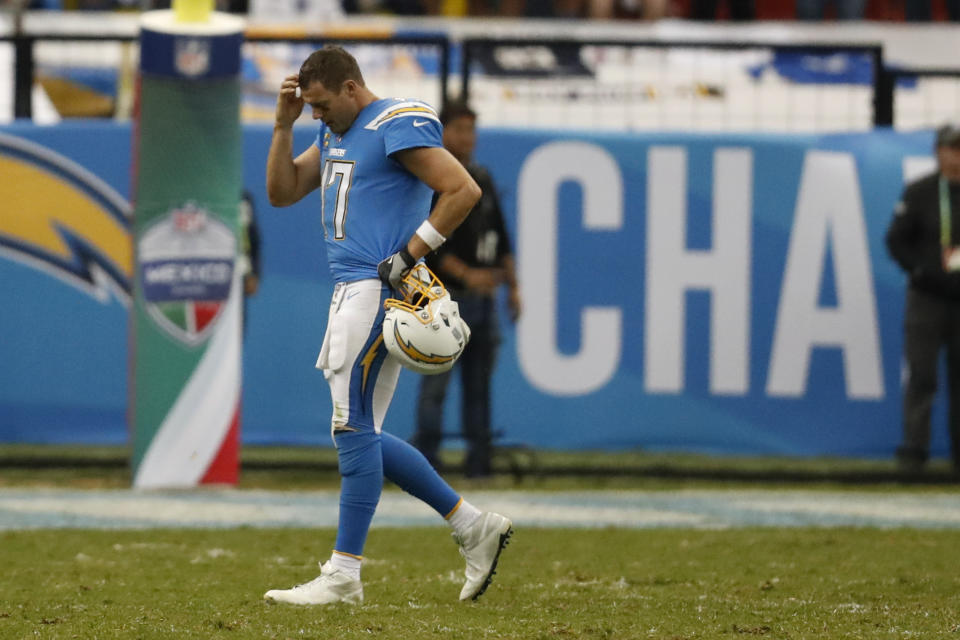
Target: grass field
x,y
664,584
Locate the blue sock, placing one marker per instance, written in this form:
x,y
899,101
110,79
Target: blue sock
x,y
361,471
406,467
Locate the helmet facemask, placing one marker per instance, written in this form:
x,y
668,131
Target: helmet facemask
x,y
419,288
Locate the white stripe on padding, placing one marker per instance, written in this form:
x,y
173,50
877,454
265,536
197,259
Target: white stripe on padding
x,y
194,429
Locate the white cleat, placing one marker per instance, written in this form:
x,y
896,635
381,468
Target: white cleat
x,y
332,585
481,547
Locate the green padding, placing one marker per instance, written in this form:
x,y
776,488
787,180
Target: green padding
x,y
188,150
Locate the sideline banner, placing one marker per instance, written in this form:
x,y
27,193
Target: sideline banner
x,y
185,365
65,270
719,293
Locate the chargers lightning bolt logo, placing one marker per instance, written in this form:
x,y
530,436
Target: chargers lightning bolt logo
x,y
58,217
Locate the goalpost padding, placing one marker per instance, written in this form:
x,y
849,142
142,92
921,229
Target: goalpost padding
x,y
186,309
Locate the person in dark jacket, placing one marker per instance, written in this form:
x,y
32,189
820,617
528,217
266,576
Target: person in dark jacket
x,y
249,252
474,262
924,238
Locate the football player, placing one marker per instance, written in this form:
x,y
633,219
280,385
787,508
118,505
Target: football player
x,y
376,163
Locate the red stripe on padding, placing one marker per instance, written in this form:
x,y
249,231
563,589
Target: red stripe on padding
x,y
225,468
204,311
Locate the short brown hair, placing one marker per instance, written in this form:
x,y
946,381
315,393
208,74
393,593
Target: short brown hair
x,y
948,136
456,109
331,66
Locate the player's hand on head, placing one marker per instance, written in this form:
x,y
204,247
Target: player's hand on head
x,y
289,103
393,269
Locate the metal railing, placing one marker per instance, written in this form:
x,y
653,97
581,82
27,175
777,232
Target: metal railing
x,y
523,68
923,97
553,82
25,65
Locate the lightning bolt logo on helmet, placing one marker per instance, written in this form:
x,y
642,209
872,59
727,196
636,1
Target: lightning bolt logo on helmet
x,y
424,330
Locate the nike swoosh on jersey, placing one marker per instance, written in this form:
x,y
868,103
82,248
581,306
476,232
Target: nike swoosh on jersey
x,y
408,108
420,123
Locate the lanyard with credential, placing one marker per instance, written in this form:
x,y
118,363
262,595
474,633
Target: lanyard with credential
x,y
945,214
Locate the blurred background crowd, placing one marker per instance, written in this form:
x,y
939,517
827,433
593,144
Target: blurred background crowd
x,y
703,10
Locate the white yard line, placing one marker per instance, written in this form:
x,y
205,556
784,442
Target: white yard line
x,y
702,509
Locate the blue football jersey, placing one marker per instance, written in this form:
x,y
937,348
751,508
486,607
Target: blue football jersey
x,y
370,204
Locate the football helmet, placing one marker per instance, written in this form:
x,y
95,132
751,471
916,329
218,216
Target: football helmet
x,y
424,330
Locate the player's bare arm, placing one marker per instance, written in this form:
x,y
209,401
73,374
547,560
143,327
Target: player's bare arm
x,y
289,179
458,192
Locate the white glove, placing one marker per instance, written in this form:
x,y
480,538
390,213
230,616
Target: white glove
x,y
392,270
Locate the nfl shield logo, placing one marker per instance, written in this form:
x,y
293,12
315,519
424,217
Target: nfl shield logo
x,y
191,56
186,271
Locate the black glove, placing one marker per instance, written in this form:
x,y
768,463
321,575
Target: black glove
x,y
393,269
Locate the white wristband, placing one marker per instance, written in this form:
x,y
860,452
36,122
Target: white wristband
x,y
430,235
